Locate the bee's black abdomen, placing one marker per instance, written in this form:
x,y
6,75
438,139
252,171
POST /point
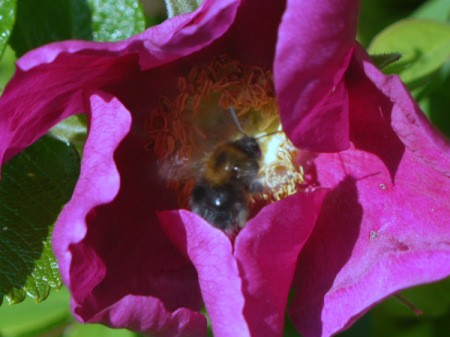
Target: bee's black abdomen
x,y
223,207
227,180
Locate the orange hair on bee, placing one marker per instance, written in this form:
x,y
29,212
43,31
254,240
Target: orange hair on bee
x,y
220,165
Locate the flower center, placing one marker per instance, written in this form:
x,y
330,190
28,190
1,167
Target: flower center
x,y
183,130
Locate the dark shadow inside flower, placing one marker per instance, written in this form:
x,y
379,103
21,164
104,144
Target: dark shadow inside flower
x,y
245,284
130,252
336,232
187,116
370,124
138,258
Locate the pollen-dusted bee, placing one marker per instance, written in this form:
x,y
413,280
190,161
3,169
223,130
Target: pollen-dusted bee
x,y
226,183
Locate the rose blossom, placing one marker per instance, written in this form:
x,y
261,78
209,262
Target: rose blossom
x,y
385,225
129,262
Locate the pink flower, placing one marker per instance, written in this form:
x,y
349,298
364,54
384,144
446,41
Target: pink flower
x,y
132,261
385,225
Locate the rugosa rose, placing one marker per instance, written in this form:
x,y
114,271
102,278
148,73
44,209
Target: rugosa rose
x,y
130,263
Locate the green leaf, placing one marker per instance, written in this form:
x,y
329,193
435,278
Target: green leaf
x,y
438,10
155,12
89,330
375,15
432,299
7,67
176,7
435,100
424,45
34,187
7,16
42,21
32,320
72,130
362,327
114,20
383,60
392,318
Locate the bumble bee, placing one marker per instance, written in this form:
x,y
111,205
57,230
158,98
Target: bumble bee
x,y
226,182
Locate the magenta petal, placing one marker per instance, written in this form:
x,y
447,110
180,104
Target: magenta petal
x,y
245,292
313,52
103,287
174,38
408,121
36,100
211,251
49,81
266,251
210,21
384,227
150,317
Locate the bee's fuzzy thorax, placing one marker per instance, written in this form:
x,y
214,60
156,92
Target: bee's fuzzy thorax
x,y
222,164
224,189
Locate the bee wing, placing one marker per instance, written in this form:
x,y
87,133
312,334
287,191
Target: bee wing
x,y
177,168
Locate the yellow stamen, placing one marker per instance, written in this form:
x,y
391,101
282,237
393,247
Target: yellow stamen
x,y
181,130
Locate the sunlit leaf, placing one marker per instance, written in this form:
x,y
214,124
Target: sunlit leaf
x,y
7,67
43,21
7,16
114,20
90,330
438,10
176,7
31,319
424,45
375,15
72,130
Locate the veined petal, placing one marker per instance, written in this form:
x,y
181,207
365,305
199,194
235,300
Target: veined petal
x,y
118,264
149,316
267,251
36,100
384,227
314,49
174,38
48,83
211,252
246,291
408,121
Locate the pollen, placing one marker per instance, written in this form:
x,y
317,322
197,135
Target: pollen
x,y
280,174
186,127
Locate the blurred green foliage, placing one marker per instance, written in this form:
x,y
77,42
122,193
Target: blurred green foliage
x,y
50,318
7,67
379,14
7,17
